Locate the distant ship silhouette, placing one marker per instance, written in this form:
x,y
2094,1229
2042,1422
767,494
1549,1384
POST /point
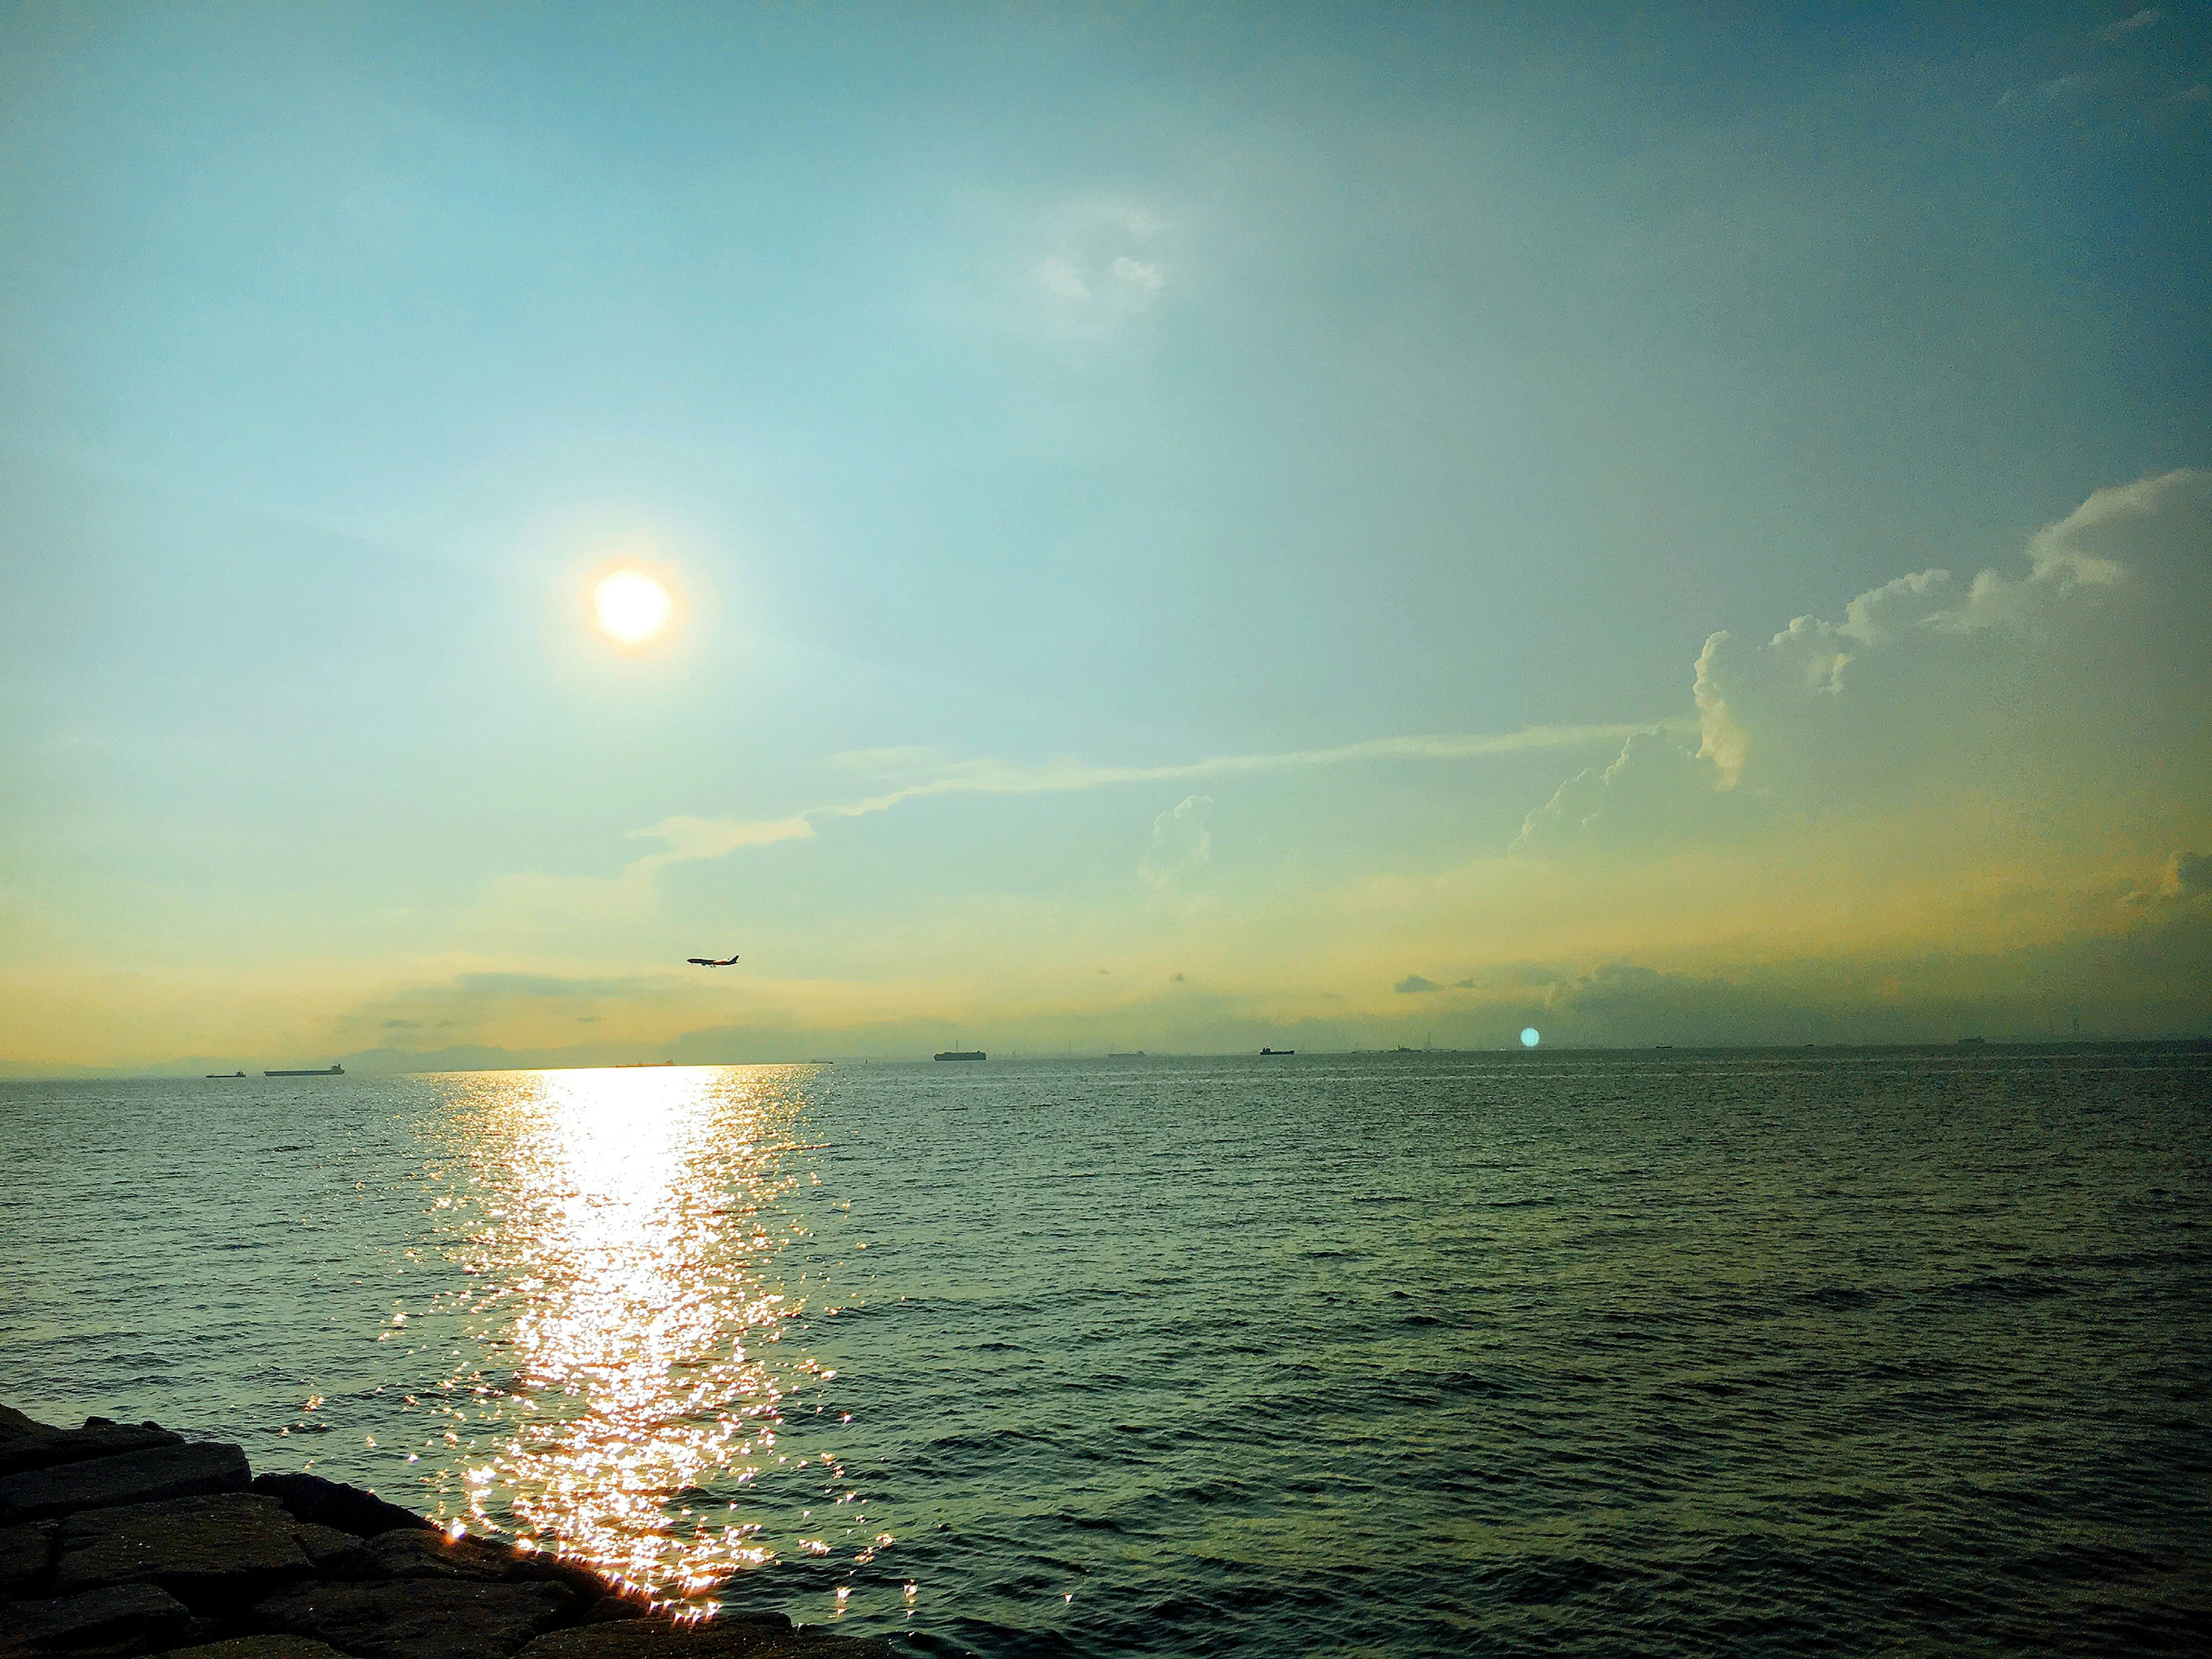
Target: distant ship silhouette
x,y
328,1070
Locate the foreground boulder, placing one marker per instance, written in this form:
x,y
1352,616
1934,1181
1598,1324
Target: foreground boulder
x,y
334,1503
434,1555
712,1638
421,1619
46,1447
119,1542
126,1618
25,1553
145,1476
217,1555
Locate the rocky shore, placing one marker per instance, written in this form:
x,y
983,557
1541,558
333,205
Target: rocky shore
x,y
119,1540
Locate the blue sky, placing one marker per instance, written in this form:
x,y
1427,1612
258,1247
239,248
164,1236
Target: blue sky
x,y
1123,387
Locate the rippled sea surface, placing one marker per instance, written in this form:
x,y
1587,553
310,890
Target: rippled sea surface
x,y
1664,1353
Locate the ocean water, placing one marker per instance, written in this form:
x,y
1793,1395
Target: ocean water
x,y
1653,1353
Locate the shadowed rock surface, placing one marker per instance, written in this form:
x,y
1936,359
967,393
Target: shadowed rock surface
x,y
142,1476
433,1555
420,1618
43,1451
720,1638
25,1554
125,1619
122,1541
215,1555
334,1503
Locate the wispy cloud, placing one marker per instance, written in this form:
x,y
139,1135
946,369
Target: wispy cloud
x,y
1104,270
2141,20
1180,848
687,838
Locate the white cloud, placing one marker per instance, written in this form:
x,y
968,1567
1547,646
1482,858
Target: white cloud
x,y
691,838
1061,279
1927,683
1103,270
2187,875
2184,878
933,774
2141,20
1181,846
1657,790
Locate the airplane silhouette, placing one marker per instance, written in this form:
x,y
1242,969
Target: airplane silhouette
x,y
710,962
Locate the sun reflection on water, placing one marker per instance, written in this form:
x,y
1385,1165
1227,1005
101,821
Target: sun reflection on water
x,y
628,1259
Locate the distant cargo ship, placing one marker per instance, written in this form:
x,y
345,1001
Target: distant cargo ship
x,y
963,1053
328,1070
1135,1053
1279,1051
223,1077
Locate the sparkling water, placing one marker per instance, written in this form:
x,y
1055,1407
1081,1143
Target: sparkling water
x,y
1666,1352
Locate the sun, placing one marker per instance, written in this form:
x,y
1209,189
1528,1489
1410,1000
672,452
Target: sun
x,y
632,608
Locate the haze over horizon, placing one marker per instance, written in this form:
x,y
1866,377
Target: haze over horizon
x,y
1184,530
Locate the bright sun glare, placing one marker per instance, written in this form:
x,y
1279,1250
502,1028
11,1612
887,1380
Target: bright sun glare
x,y
632,608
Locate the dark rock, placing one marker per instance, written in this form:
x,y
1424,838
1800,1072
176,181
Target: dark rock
x,y
133,1477
325,1546
334,1503
421,1619
14,1426
434,1555
614,1606
25,1554
405,1555
39,1451
126,1618
216,1555
708,1639
259,1647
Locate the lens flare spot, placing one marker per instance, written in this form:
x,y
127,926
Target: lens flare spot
x,y
1530,1036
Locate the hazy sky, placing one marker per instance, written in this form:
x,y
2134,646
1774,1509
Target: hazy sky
x,y
1179,519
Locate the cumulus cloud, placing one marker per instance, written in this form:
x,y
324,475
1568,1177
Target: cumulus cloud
x,y
1658,790
1181,846
1062,280
1104,270
2187,875
2185,878
1927,682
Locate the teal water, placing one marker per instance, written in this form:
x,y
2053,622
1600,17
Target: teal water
x,y
1393,1354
